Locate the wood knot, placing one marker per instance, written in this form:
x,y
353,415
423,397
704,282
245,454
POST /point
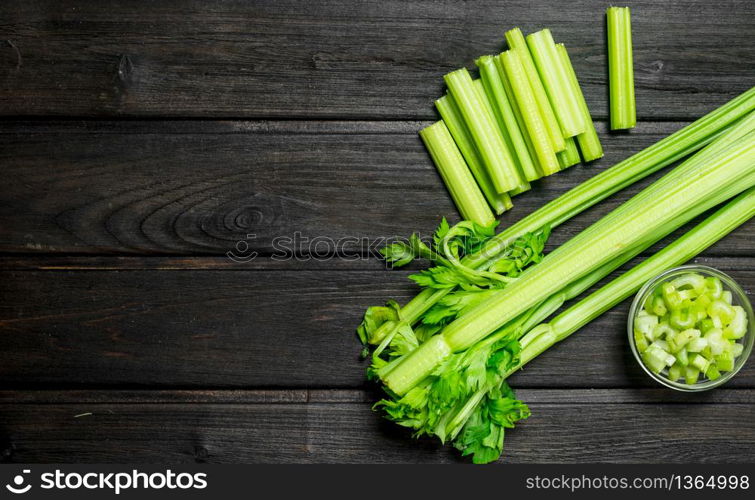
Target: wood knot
x,y
125,70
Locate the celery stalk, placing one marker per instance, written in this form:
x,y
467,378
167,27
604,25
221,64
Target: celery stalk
x,y
556,80
688,186
455,174
514,70
518,44
502,132
449,111
518,116
588,141
570,155
505,115
620,68
712,229
661,154
490,145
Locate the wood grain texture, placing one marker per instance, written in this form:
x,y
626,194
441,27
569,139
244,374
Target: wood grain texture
x,y
207,327
192,187
64,430
343,59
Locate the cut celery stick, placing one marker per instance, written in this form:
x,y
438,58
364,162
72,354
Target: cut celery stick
x,y
505,115
570,155
483,97
620,68
556,80
457,177
691,374
449,111
588,141
521,189
533,121
518,44
518,115
490,145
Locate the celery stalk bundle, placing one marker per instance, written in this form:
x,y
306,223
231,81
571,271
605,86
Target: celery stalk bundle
x,y
444,357
524,118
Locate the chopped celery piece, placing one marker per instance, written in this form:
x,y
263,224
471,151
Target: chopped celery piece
x,y
722,310
589,143
449,111
682,318
716,341
737,349
659,306
671,296
726,296
725,361
691,375
554,76
738,326
712,372
682,357
490,144
714,286
535,128
640,341
697,345
518,44
675,372
569,156
504,113
645,324
662,330
456,174
705,325
699,362
690,281
620,68
682,338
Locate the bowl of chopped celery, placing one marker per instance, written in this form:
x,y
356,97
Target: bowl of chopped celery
x,y
691,328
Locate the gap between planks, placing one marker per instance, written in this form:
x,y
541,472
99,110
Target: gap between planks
x,y
566,397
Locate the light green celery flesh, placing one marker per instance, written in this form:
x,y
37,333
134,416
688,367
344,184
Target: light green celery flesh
x,y
518,115
505,115
490,145
556,80
588,141
659,155
569,156
449,111
455,173
535,127
620,68
673,195
488,106
715,227
518,44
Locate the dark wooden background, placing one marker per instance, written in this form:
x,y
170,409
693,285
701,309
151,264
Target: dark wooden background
x,y
142,141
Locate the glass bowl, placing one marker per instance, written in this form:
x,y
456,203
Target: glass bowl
x,y
739,297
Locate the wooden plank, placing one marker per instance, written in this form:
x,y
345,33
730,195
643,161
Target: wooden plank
x,y
203,187
235,432
248,328
338,59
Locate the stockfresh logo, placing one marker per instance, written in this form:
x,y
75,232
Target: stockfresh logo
x,y
116,482
18,484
